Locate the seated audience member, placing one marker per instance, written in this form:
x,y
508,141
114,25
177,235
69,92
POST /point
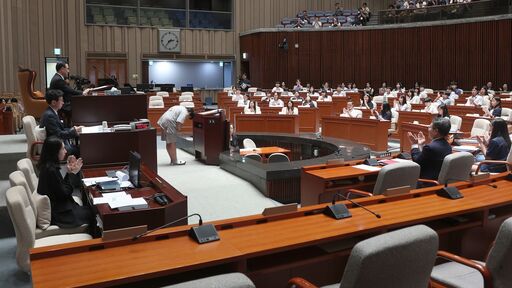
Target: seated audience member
x,y
430,107
443,98
339,91
338,10
385,112
401,104
335,23
326,87
456,89
324,97
308,102
383,88
414,97
283,85
495,109
296,97
316,23
252,108
312,91
430,156
275,101
52,124
290,109
496,146
350,112
277,88
474,99
489,88
65,212
504,88
387,92
297,87
399,88
244,83
238,96
442,111
367,102
368,89
423,93
354,88
452,95
483,91
244,101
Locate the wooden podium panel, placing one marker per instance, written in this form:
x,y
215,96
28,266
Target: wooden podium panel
x,y
355,96
309,119
113,148
338,103
467,122
326,109
211,136
461,110
371,132
405,127
267,123
411,116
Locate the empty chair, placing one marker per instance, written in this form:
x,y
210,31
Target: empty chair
x,y
260,94
35,137
389,260
162,93
27,168
456,122
248,143
24,222
186,97
33,101
229,280
156,102
187,104
480,127
278,158
506,114
253,156
465,273
396,175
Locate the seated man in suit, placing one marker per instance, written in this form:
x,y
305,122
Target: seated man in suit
x,y
54,126
430,156
59,81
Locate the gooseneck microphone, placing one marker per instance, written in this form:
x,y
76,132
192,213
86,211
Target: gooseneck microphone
x,y
202,233
355,203
453,193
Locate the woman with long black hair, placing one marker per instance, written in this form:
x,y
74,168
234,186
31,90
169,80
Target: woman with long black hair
x,y
496,146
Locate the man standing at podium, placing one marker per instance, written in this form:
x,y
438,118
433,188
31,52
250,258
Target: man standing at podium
x,y
171,123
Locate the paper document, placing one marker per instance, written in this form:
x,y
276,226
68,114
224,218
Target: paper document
x,y
367,167
122,176
95,180
92,129
465,148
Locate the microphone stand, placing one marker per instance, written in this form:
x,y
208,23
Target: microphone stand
x,y
168,224
111,77
357,204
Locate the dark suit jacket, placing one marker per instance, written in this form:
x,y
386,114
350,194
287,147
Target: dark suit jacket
x,y
58,83
54,127
431,157
60,191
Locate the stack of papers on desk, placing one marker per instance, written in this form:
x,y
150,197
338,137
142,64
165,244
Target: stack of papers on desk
x,y
367,167
121,177
465,148
95,180
92,129
121,199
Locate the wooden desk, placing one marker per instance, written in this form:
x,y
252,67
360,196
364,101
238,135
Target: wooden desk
x,y
270,249
153,216
371,132
118,109
467,122
404,128
410,116
309,120
267,123
113,148
461,110
6,122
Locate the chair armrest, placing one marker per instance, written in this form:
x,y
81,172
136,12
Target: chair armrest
x,y
33,150
493,162
298,282
428,181
358,192
471,264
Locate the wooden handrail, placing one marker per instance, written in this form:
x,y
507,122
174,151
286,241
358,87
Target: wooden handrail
x,y
471,264
298,282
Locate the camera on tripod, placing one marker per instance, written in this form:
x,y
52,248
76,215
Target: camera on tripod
x,y
79,81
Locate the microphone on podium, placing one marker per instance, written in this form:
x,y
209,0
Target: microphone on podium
x,y
202,233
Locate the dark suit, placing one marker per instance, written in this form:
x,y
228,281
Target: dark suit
x,y
54,127
66,213
431,157
58,83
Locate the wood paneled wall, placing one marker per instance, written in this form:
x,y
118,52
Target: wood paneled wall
x,y
471,53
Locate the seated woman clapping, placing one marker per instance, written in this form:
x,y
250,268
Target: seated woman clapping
x,y
252,108
290,109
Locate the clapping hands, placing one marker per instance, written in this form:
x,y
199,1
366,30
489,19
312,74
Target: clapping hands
x,y
416,139
74,165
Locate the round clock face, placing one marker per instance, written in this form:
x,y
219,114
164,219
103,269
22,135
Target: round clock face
x,y
169,40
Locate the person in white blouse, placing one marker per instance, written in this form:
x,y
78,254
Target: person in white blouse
x,y
316,23
430,107
423,93
277,88
308,102
350,112
339,92
324,97
252,108
244,102
443,98
238,96
275,101
326,87
474,99
387,92
290,109
401,104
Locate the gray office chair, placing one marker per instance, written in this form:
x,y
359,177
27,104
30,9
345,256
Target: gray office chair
x,y
397,175
456,167
495,272
389,260
248,143
25,165
230,280
253,156
278,158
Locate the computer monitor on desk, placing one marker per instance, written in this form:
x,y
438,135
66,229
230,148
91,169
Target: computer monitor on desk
x,y
144,87
187,89
166,87
134,168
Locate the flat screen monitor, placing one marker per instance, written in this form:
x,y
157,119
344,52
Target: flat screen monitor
x,y
143,87
166,87
187,89
134,168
